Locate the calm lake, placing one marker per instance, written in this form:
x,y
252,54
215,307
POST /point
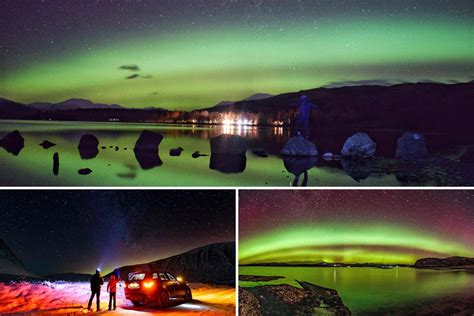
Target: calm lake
x,y
373,290
116,164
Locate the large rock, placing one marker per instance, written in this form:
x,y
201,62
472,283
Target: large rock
x,y
226,144
299,146
444,263
359,145
88,146
468,155
146,150
411,146
285,299
13,142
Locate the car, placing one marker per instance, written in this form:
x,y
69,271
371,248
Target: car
x,y
156,288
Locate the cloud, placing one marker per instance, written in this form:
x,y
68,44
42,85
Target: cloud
x,y
135,76
130,67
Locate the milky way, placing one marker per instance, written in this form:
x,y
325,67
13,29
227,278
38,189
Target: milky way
x,y
77,231
190,54
354,226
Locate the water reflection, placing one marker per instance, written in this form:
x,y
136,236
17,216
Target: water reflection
x,y
299,166
358,169
228,163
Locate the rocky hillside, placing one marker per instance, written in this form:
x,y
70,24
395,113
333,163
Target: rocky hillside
x,y
214,264
444,263
10,264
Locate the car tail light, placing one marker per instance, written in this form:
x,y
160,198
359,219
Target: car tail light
x,y
134,286
149,284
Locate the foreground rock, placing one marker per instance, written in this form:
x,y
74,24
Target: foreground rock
x,y
359,145
47,144
226,144
468,155
299,146
411,146
146,149
451,262
13,142
88,146
84,171
285,299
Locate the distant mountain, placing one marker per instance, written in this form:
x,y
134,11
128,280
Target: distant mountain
x,y
213,264
256,96
71,277
10,264
11,109
444,263
72,104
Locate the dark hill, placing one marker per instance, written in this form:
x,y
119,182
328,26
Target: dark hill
x,y
10,264
213,264
444,263
425,107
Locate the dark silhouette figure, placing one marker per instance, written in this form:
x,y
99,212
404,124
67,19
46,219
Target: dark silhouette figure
x,y
96,283
304,115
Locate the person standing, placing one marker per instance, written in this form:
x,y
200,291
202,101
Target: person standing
x,y
112,289
96,284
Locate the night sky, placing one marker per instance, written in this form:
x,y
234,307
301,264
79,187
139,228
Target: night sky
x,y
77,231
358,226
188,54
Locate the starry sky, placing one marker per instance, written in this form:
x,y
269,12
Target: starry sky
x,y
354,226
80,230
189,54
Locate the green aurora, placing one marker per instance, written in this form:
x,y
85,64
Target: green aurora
x,y
345,243
198,68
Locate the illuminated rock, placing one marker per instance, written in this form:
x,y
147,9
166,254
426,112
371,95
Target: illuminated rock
x,y
359,145
13,142
411,146
226,144
300,147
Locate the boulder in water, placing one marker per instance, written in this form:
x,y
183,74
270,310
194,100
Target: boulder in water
x,y
13,142
146,149
468,155
88,146
226,144
359,145
299,146
176,152
47,144
411,146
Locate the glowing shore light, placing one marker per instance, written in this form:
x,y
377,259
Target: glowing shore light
x,y
180,279
148,284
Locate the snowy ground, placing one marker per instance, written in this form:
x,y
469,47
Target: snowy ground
x,y
67,298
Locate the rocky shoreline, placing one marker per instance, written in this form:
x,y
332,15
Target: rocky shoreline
x,y
285,299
